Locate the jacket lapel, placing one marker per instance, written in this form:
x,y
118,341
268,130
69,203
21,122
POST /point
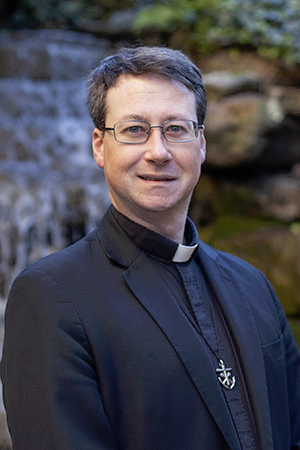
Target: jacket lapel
x,y
235,307
148,287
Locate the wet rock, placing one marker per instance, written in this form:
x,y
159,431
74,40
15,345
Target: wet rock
x,y
282,149
288,97
279,195
235,128
5,440
220,84
45,121
45,147
49,54
259,196
43,211
118,25
250,122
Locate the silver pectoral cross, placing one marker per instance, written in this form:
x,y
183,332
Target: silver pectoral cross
x,y
225,377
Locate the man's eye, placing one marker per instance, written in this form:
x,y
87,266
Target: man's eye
x,y
135,129
175,128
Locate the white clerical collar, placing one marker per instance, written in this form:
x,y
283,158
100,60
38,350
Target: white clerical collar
x,y
157,245
184,253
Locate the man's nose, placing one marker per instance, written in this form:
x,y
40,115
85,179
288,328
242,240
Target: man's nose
x,y
157,147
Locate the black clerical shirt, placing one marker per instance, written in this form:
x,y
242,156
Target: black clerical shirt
x,y
186,281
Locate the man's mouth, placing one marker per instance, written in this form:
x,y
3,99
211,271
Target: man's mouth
x,y
151,178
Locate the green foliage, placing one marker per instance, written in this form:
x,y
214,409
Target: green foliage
x,y
196,16
270,26
167,15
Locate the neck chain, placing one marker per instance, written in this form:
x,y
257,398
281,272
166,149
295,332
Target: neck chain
x,y
224,373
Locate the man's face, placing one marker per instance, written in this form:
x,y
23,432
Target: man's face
x,y
157,177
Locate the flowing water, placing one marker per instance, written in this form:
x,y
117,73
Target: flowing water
x,y
51,191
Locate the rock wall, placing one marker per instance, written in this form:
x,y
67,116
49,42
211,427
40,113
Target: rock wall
x,y
248,200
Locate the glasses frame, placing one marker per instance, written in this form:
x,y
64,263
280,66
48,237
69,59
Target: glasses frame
x,y
196,125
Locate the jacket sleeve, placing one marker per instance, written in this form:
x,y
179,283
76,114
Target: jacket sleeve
x,y
50,387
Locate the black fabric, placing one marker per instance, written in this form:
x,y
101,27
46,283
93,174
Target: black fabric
x,y
189,287
98,355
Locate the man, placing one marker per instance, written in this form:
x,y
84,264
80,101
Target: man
x,y
139,336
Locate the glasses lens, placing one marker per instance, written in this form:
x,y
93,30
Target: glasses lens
x,y
180,130
132,132
137,132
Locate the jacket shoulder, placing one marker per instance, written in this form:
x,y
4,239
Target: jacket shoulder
x,y
70,259
228,260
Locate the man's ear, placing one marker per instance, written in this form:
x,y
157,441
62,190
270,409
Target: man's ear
x,y
202,146
98,150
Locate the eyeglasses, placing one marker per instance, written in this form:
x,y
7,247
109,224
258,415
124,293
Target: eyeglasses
x,y
138,131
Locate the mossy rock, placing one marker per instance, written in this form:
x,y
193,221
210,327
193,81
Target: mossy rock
x,y
273,249
295,325
216,197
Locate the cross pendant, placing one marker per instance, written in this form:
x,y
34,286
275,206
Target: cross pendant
x,y
225,377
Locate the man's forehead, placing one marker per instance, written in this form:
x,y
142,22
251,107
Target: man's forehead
x,y
125,79
149,97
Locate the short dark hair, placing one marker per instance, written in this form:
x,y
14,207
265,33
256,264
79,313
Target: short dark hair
x,y
160,61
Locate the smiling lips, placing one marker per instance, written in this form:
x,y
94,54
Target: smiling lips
x,y
156,178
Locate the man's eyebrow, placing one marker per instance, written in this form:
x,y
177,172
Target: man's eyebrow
x,y
134,117
144,119
177,117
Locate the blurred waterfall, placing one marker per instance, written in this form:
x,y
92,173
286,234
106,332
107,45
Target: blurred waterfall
x,y
51,191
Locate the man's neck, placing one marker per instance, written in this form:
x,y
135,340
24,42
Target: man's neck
x,y
173,231
167,224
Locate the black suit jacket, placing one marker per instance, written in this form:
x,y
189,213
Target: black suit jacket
x,y
98,354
